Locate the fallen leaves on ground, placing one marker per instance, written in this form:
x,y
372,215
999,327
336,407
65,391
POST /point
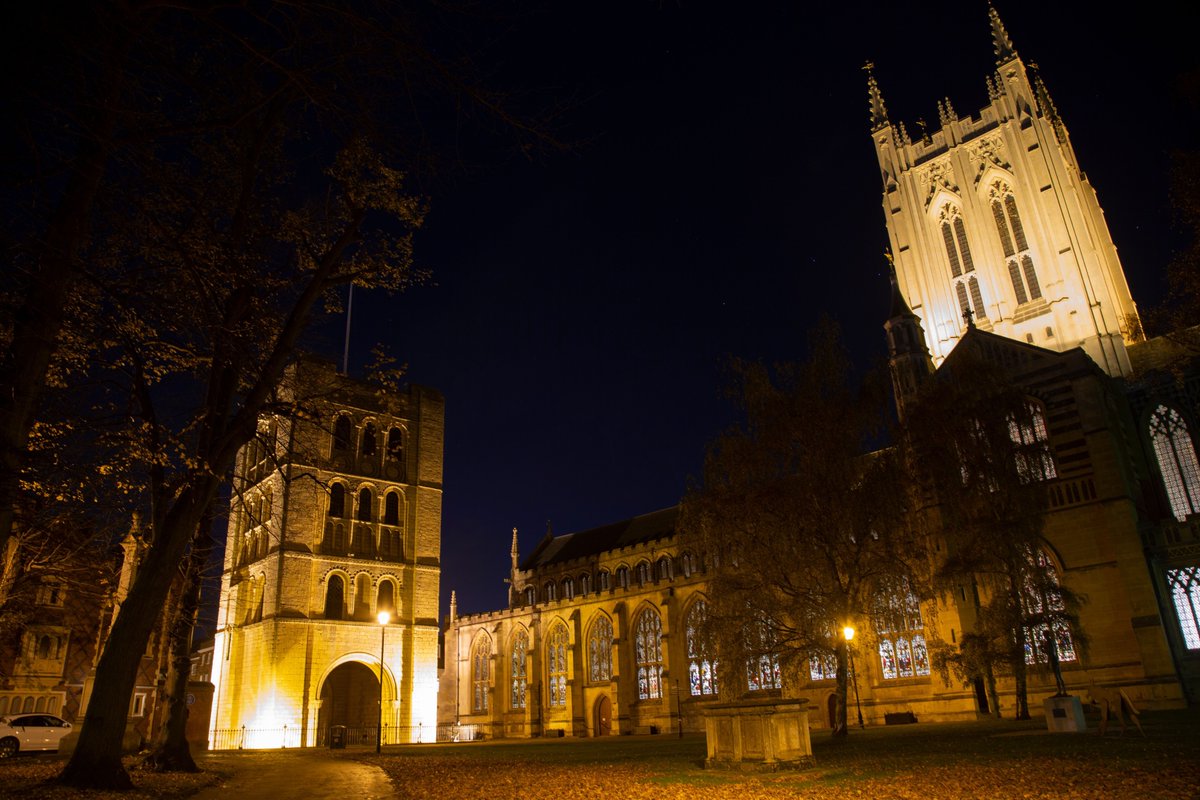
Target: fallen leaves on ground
x,y
29,778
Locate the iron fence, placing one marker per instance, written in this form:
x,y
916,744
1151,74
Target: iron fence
x,y
288,736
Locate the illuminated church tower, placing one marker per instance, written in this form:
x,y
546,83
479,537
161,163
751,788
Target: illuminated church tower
x,y
990,217
335,517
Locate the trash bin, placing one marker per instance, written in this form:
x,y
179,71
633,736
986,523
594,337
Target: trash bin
x,y
337,737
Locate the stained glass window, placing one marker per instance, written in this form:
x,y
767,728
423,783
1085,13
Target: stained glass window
x,y
600,649
481,674
520,649
556,657
1176,456
898,624
1185,593
647,646
762,670
1041,599
702,673
822,667
1034,462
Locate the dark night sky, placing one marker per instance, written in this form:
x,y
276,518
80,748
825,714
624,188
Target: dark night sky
x,y
725,194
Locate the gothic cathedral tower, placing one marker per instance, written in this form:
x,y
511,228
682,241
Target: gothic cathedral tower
x,y
335,517
991,221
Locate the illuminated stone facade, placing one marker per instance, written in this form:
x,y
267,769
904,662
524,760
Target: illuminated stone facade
x,y
992,214
336,516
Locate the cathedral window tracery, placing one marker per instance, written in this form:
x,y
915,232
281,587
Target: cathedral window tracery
x,y
556,666
762,669
962,265
647,645
520,651
481,675
1016,247
600,649
1176,456
1185,594
901,632
702,667
1042,600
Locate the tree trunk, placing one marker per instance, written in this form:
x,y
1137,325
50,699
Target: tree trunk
x,y
171,752
96,762
993,692
843,674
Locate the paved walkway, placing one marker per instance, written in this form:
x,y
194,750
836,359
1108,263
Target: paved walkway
x,y
277,774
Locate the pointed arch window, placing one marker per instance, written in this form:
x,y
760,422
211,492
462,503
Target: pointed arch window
x,y
702,667
600,639
1042,604
643,573
585,584
1033,458
556,666
335,597
550,591
647,645
517,667
1012,240
623,577
896,617
1176,455
962,265
1185,593
568,588
603,580
762,668
665,572
481,661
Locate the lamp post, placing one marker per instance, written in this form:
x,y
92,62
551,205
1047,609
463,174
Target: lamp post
x,y
848,632
384,618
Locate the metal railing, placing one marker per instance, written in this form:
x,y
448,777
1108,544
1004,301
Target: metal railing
x,y
245,738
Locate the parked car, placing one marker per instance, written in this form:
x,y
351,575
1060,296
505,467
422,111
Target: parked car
x,y
27,732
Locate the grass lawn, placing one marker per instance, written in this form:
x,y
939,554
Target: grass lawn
x,y
985,759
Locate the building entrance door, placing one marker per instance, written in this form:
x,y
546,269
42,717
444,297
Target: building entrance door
x,y
602,725
350,697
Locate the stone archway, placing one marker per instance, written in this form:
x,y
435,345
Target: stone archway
x,y
602,717
350,697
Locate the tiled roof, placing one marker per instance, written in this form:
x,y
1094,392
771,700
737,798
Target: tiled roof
x,y
571,546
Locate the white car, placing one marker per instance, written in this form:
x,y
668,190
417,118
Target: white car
x,y
31,732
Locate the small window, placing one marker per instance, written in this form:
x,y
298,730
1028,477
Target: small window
x,y
550,591
623,577
604,580
530,596
139,705
585,583
335,593
568,589
385,599
643,573
664,569
685,565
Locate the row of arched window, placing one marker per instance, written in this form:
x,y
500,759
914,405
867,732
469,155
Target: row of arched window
x,y
1175,451
364,505
1013,242
360,608
368,440
642,574
28,704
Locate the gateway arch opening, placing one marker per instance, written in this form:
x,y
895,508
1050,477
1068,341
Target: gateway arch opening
x,y
350,698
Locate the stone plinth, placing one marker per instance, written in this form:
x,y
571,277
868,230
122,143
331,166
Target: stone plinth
x,y
758,734
1064,714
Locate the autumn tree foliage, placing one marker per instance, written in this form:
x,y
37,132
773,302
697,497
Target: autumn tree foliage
x,y
979,445
803,525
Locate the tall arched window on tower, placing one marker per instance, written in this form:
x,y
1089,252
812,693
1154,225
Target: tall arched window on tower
x,y
1176,456
368,440
896,617
337,501
1185,593
1042,600
391,509
481,660
702,667
962,266
1012,240
647,647
341,433
385,599
600,639
335,597
556,665
517,668
364,505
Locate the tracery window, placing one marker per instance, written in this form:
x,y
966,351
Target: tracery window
x,y
517,661
702,667
664,569
603,580
600,639
1041,600
556,666
1176,456
762,670
897,621
623,577
568,588
481,674
1012,240
822,667
585,583
647,647
962,266
341,433
1185,593
1034,462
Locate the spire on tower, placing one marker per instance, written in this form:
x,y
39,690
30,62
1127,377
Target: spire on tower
x,y
1001,44
879,115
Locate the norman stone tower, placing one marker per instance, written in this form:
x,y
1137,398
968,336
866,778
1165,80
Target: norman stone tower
x,y
335,516
991,218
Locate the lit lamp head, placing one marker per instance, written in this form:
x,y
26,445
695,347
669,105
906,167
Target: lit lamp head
x,y
384,618
848,632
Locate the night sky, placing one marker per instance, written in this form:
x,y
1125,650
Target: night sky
x,y
722,194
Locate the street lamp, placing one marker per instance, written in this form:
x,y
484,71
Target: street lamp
x,y
384,618
848,632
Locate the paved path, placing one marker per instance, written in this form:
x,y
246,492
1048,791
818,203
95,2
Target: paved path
x,y
311,774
